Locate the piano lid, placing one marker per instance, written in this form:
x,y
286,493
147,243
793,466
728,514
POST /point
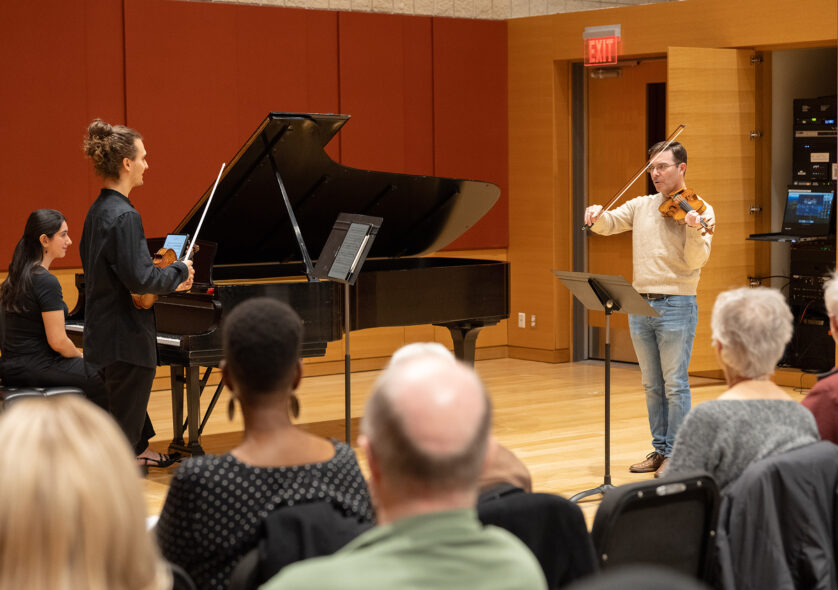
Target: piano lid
x,y
248,219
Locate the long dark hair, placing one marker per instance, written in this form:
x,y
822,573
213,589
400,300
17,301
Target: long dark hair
x,y
28,255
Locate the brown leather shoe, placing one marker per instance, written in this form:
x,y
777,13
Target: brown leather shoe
x,y
661,471
651,463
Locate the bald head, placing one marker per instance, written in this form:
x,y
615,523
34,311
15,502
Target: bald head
x,y
428,421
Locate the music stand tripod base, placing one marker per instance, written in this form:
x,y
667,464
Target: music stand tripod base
x,y
608,293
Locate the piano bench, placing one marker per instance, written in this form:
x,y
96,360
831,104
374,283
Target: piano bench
x,y
9,395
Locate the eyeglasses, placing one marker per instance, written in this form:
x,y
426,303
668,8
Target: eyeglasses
x,y
659,167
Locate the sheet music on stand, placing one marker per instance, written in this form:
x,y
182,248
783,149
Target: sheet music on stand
x,y
347,247
341,260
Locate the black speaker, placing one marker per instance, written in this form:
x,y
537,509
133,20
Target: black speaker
x,y
812,343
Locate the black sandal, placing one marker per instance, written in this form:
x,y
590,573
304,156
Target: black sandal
x,y
165,460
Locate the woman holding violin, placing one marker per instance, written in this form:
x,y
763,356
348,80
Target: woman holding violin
x,y
671,235
119,337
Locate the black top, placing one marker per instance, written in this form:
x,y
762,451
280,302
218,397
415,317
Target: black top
x,y
24,332
116,263
215,507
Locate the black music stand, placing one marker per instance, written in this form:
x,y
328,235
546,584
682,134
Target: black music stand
x,y
608,293
341,260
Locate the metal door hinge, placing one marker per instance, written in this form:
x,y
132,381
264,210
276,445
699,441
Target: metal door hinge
x,y
754,209
755,134
756,59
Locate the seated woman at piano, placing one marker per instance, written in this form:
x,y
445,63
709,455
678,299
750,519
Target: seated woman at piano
x,y
35,347
216,504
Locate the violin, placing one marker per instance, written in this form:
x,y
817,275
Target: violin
x,y
681,202
161,259
166,256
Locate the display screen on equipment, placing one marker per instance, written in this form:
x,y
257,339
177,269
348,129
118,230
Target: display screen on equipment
x,y
177,242
808,212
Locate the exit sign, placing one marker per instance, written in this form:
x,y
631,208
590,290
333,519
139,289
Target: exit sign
x,y
602,45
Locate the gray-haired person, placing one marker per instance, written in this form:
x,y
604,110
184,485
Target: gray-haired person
x,y
754,418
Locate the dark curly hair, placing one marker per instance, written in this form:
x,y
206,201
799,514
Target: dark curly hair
x,y
262,340
106,145
26,258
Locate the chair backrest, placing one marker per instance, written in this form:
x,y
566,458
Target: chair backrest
x,y
294,533
778,526
552,527
669,522
181,580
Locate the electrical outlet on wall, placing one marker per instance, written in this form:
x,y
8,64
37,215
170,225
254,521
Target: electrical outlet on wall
x,y
532,321
522,320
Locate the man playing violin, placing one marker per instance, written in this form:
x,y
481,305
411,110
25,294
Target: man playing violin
x,y
667,258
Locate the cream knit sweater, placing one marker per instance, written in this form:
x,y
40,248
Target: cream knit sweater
x,y
667,256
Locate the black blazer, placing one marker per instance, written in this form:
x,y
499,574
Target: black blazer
x,y
117,263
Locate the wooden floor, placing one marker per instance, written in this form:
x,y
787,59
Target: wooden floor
x,y
550,415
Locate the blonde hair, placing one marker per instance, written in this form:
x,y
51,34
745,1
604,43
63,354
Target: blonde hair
x,y
73,513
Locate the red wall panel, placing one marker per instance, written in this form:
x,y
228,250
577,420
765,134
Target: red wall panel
x,y
62,64
200,78
427,96
470,116
386,84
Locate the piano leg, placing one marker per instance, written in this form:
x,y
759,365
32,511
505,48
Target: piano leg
x,y
190,378
465,340
193,407
177,381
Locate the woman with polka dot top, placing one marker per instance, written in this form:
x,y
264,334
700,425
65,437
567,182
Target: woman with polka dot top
x,y
215,504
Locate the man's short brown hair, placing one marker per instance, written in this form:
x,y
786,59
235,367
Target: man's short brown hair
x,y
679,152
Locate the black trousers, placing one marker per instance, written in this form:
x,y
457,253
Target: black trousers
x,y
128,389
55,371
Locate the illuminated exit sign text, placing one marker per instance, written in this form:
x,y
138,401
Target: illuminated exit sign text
x,y
602,45
601,51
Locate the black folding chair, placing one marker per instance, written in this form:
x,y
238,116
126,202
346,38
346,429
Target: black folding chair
x,y
669,522
552,527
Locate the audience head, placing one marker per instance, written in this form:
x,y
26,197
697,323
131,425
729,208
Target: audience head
x,y
108,145
41,230
426,425
639,577
830,295
73,512
262,340
751,328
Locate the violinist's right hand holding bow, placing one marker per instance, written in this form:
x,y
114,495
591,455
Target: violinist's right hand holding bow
x,y
592,213
187,284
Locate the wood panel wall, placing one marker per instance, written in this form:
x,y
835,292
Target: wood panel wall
x,y
540,51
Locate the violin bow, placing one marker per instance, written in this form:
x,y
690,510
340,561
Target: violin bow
x,y
204,214
669,141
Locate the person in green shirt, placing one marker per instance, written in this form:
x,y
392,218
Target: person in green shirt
x,y
425,435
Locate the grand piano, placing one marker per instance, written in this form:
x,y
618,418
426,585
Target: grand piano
x,y
275,203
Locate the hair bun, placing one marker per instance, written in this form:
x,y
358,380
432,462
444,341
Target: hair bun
x,y
98,128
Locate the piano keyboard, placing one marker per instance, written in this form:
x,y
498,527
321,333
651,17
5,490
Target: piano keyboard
x,y
165,339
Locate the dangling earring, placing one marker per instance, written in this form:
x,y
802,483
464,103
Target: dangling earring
x,y
231,408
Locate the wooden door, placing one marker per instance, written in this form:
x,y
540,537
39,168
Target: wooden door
x,y
712,92
617,145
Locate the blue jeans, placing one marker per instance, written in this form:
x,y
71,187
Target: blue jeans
x,y
664,346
